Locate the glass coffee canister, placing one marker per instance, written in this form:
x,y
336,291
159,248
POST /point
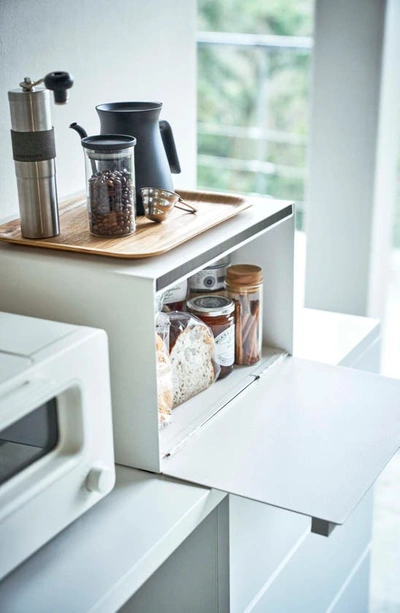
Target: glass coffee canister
x,y
110,184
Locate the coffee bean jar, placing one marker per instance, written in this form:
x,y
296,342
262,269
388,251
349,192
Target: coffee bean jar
x,y
110,184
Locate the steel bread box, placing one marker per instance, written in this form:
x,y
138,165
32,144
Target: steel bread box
x,y
285,432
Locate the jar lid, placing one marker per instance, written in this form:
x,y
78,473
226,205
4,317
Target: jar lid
x,y
244,274
213,306
108,142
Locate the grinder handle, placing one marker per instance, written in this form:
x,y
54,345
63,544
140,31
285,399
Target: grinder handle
x,y
59,82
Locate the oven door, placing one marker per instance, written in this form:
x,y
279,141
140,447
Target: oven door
x,y
56,451
28,439
41,439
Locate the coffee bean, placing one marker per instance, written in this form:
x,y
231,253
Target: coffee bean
x,y
111,198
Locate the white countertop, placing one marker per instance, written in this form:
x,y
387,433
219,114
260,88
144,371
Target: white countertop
x,y
333,338
100,560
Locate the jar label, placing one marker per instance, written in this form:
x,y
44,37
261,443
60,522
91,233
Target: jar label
x,y
225,347
208,279
177,293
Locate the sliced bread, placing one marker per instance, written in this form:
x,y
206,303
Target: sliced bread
x,y
191,354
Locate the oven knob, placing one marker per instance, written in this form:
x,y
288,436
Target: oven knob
x,y
101,480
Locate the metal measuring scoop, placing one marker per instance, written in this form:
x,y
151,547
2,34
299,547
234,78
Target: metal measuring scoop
x,y
158,203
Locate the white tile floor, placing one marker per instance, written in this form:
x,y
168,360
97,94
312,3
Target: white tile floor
x,y
385,558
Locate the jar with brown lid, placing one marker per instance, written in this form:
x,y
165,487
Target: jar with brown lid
x,y
217,313
244,287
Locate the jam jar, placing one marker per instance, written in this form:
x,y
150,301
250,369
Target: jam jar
x,y
174,298
217,312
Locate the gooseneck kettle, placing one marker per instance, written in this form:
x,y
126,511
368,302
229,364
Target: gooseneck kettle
x,y
155,155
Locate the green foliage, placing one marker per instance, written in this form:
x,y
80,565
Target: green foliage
x,y
244,88
231,84
281,17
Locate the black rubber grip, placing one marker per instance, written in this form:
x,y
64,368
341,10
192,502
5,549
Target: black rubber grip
x,y
33,146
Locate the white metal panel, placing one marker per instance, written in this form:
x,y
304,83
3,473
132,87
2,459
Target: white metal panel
x,y
191,415
276,258
94,292
307,437
172,265
118,296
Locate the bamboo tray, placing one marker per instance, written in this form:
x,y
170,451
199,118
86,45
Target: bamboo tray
x,y
148,240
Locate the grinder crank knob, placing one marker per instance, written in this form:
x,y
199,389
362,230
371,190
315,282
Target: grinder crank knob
x,y
59,82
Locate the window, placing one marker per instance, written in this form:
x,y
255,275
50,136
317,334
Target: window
x,y
253,97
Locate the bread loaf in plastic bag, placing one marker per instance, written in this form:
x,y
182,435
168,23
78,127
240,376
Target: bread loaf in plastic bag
x,y
191,351
164,370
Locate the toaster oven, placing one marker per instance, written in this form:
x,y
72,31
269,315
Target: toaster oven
x,y
56,443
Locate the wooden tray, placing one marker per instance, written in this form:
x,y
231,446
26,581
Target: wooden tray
x,y
149,239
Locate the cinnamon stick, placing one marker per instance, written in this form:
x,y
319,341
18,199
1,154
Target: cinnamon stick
x,y
238,334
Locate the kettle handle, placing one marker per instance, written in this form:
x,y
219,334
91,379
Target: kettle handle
x,y
169,146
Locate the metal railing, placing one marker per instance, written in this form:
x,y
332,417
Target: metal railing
x,y
268,41
259,133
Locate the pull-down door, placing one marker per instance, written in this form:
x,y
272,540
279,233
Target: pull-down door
x,y
305,437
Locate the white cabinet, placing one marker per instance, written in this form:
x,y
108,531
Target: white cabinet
x,y
195,578
288,432
104,557
318,570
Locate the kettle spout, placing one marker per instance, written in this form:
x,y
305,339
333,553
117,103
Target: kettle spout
x,y
81,131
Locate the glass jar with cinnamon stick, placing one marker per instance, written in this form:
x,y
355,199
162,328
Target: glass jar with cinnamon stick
x,y
244,287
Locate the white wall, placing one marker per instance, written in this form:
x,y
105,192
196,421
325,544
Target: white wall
x,y
116,50
353,154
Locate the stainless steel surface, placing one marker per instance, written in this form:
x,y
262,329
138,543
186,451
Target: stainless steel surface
x,y
36,179
158,203
37,195
30,111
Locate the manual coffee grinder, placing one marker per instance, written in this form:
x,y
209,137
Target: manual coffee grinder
x,y
34,152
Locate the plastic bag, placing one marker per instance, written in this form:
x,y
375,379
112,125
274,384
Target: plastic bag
x,y
191,351
164,370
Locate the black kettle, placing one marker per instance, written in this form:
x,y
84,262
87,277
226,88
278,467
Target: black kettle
x,y
155,154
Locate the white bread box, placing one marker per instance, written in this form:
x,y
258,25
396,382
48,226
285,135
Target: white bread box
x,y
302,436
